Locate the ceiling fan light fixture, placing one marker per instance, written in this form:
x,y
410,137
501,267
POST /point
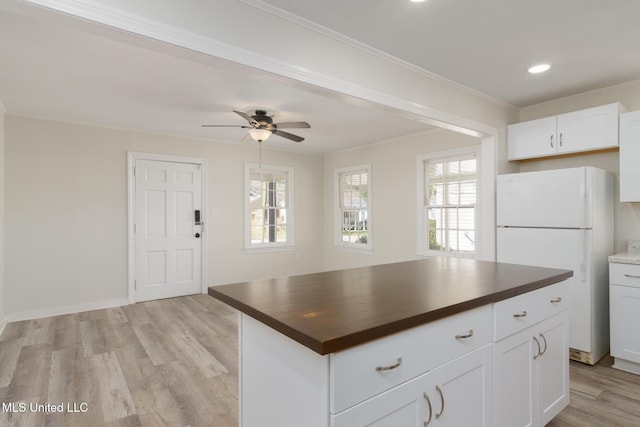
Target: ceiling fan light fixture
x,y
260,134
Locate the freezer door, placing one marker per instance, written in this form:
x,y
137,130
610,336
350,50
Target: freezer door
x,y
555,198
566,249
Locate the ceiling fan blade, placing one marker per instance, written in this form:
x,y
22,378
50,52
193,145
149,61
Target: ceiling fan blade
x,y
293,125
226,126
246,117
287,135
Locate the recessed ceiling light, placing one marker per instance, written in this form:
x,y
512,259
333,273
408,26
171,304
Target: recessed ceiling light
x,y
540,68
417,1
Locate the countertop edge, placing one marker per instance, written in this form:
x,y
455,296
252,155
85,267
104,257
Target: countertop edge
x,y
625,258
364,336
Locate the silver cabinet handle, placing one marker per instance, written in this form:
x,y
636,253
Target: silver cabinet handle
x,y
545,344
467,335
426,397
631,276
522,314
560,139
439,390
537,342
390,367
556,300
551,141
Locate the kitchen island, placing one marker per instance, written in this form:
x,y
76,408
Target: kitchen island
x,y
438,341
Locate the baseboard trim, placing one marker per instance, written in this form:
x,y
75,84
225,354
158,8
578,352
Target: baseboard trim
x,y
67,309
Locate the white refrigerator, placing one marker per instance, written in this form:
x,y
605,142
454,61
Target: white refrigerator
x,y
564,219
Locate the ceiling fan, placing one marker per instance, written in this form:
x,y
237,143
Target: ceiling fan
x,y
261,126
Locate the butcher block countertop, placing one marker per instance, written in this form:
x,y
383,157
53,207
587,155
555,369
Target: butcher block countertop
x,y
332,311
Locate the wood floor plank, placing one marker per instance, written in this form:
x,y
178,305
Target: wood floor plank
x,y
111,394
11,349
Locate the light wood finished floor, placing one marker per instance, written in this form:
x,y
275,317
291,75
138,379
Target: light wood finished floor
x,y
601,396
162,363
174,363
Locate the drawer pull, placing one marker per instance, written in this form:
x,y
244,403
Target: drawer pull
x,y
538,354
467,335
426,397
632,276
390,367
545,344
439,390
523,314
556,300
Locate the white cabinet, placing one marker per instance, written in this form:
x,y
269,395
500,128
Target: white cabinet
x,y
585,130
532,363
629,157
624,303
458,393
459,371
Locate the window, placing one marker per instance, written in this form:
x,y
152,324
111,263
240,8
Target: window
x,y
269,206
353,216
448,208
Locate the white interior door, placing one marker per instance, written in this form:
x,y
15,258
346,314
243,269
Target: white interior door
x,y
168,242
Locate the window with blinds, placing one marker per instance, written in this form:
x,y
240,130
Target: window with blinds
x,y
450,197
353,216
269,207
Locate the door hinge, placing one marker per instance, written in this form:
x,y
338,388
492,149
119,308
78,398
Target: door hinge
x,y
135,285
135,230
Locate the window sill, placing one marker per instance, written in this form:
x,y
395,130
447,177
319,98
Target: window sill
x,y
362,250
268,249
431,254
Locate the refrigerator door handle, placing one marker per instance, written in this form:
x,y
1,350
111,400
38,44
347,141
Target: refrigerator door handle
x,y
583,255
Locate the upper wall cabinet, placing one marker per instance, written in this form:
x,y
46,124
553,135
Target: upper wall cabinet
x,y
630,157
585,130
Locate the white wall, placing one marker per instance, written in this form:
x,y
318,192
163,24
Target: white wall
x,y
66,210
393,196
627,215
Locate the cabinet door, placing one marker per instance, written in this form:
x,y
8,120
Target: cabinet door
x,y
464,396
590,129
514,380
629,155
625,318
535,138
553,366
404,405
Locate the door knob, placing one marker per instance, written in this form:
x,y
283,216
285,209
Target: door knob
x,y
197,235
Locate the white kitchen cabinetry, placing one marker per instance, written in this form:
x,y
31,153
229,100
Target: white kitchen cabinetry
x,y
458,371
459,393
532,361
585,130
624,301
629,155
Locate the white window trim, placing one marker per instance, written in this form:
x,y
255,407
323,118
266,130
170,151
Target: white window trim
x,y
276,246
352,247
422,247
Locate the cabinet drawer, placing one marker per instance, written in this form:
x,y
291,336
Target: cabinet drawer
x,y
353,373
624,274
517,313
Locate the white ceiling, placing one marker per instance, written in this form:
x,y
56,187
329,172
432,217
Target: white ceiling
x,y
59,69
488,45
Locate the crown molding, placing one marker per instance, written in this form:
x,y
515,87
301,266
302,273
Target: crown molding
x,y
600,91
